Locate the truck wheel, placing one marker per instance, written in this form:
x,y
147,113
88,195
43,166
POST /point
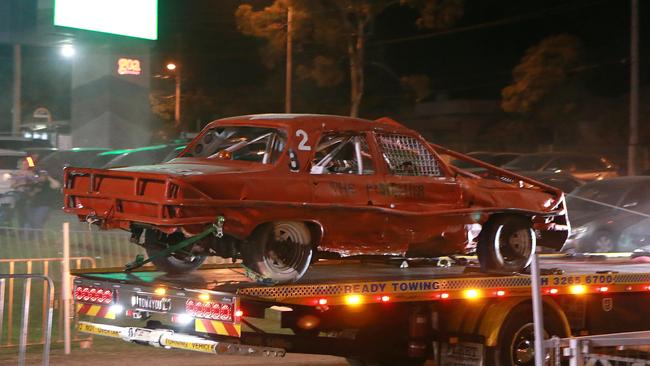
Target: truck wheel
x,y
280,251
516,342
155,242
507,243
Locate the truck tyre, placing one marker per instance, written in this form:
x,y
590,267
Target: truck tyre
x,y
155,242
506,243
280,251
516,340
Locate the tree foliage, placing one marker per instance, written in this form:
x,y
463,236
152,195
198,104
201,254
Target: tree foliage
x,y
543,72
329,29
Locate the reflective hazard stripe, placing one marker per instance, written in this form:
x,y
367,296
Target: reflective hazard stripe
x,y
217,327
97,311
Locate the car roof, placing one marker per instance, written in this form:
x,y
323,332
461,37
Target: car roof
x,y
5,152
313,122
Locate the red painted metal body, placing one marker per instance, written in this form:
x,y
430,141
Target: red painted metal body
x,y
376,213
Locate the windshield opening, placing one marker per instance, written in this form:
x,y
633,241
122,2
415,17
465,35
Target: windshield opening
x,y
243,143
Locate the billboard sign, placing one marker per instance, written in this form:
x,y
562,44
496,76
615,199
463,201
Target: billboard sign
x,y
129,18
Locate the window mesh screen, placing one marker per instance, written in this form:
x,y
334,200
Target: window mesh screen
x,y
407,156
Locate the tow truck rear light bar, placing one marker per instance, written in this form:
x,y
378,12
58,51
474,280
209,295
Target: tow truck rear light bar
x,y
94,295
210,310
355,299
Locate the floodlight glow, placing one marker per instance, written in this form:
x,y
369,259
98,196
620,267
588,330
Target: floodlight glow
x,y
68,51
130,18
116,309
171,66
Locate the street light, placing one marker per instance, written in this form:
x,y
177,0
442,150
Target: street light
x,y
177,101
68,51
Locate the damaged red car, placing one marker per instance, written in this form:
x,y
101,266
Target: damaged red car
x,y
293,188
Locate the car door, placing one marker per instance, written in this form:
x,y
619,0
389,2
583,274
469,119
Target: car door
x,y
419,194
342,168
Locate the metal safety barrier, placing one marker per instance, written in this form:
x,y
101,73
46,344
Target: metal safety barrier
x,y
107,248
111,248
46,267
48,300
617,349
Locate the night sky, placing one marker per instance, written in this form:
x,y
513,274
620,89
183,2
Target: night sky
x,y
473,60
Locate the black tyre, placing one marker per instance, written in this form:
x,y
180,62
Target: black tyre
x,y
516,343
181,262
601,241
506,243
280,251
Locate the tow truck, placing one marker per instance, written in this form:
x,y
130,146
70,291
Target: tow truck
x,y
370,312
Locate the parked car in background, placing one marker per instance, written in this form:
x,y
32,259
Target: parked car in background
x,y
11,163
636,237
79,156
564,181
140,156
493,158
601,211
14,167
40,153
581,166
174,153
20,143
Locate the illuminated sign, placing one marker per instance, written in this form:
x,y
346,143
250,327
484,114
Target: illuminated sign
x,y
129,18
128,66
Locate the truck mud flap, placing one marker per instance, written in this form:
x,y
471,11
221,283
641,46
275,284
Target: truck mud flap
x,y
169,339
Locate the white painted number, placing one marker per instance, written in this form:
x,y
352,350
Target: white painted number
x,y
303,143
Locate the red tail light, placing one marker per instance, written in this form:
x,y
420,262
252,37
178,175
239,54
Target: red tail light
x,y
209,310
189,307
226,312
93,294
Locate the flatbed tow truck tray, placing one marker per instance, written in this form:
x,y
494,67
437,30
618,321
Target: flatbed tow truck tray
x,y
423,309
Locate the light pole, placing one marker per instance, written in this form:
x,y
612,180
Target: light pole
x,y
289,65
16,111
177,100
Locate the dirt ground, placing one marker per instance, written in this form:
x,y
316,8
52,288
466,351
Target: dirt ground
x,y
114,352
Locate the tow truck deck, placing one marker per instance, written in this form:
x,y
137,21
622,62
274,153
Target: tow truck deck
x,y
363,310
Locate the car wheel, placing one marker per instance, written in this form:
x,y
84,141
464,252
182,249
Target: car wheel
x,y
506,243
280,251
602,242
181,262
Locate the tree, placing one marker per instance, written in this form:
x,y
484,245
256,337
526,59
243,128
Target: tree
x,y
546,84
544,69
330,28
